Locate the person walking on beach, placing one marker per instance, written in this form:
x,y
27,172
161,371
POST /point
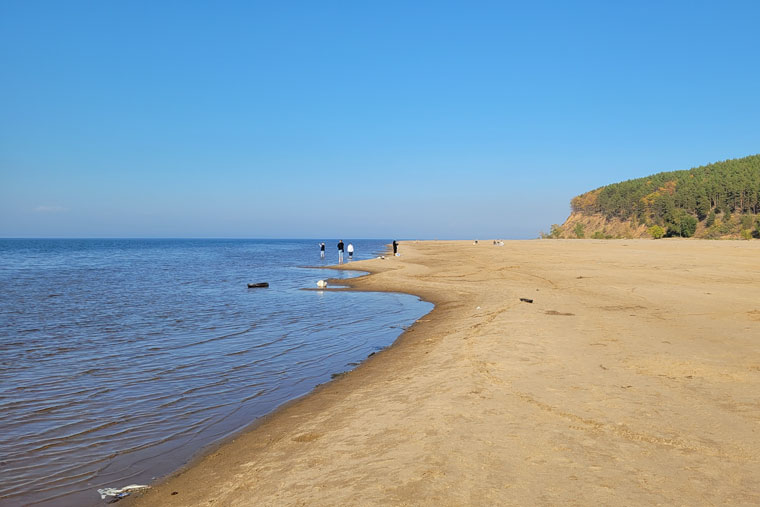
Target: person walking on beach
x,y
395,247
322,250
340,251
350,251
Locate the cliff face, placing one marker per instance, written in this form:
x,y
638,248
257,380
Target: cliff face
x,y
598,226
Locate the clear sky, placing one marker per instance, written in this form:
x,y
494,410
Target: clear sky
x,y
357,119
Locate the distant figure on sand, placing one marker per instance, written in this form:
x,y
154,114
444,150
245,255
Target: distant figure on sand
x,y
350,251
322,250
395,247
340,252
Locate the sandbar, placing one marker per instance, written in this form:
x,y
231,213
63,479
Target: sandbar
x,y
633,378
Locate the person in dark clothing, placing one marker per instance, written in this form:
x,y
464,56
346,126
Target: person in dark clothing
x,y
395,247
340,252
322,250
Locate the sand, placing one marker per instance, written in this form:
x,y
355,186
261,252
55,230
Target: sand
x,y
632,379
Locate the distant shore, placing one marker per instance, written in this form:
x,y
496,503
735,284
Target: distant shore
x,y
631,378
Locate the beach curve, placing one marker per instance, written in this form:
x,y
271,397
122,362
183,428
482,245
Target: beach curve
x,y
631,378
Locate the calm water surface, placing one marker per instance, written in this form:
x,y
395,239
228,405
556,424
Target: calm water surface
x,y
121,359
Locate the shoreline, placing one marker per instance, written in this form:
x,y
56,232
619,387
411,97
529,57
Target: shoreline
x,y
599,392
352,284
141,497
206,355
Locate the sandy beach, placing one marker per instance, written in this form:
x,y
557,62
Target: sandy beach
x,y
633,378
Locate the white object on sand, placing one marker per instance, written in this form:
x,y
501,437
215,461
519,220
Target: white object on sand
x,y
120,491
322,284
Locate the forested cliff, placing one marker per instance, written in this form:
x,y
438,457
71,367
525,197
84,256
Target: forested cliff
x,y
712,201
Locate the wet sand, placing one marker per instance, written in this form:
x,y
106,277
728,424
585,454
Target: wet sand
x,y
632,379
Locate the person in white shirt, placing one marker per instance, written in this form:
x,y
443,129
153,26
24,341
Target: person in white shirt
x,y
350,251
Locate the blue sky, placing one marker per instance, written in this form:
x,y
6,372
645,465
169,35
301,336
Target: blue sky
x,y
357,119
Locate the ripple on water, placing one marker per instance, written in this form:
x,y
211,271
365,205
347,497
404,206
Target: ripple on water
x,y
148,350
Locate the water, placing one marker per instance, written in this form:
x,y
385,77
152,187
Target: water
x,y
121,359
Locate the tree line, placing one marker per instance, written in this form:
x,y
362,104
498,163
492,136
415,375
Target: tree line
x,y
676,200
